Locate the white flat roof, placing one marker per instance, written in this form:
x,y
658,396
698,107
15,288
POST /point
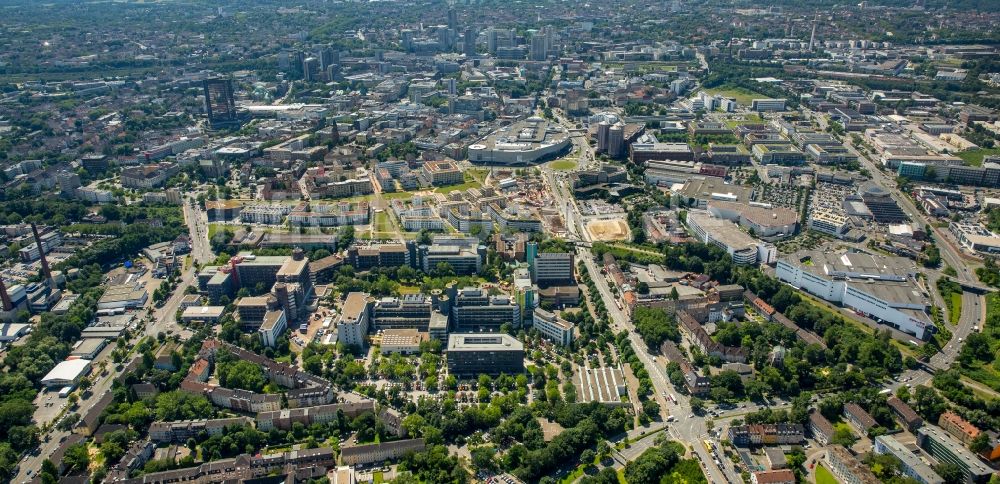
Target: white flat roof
x,y
67,370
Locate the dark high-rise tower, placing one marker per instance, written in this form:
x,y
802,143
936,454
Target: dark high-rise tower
x,y
470,42
452,18
220,102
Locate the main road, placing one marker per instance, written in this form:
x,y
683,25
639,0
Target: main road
x,y
689,428
164,318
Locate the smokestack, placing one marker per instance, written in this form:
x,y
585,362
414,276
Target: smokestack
x,y
7,304
41,252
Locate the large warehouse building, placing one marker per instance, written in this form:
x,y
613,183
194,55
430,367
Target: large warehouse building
x,y
880,287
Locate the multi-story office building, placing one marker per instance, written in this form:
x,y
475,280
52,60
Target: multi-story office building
x,y
352,325
272,327
148,176
767,105
647,148
384,255
50,240
879,286
911,464
412,311
551,268
475,310
472,354
942,447
465,255
553,327
847,468
253,309
439,173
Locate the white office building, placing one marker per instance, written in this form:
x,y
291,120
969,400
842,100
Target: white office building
x,y
879,287
553,327
355,317
767,105
274,324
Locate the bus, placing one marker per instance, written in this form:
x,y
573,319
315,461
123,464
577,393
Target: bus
x,y
65,391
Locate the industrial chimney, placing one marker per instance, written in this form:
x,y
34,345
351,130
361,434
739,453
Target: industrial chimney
x,y
7,304
41,253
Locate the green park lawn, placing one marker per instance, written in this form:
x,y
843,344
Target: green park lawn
x,y
975,157
563,165
824,476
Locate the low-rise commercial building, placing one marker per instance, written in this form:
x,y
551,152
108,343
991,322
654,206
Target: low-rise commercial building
x,y
66,373
402,341
761,220
976,237
204,314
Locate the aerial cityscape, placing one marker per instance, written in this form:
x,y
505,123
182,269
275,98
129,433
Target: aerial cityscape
x,y
473,241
